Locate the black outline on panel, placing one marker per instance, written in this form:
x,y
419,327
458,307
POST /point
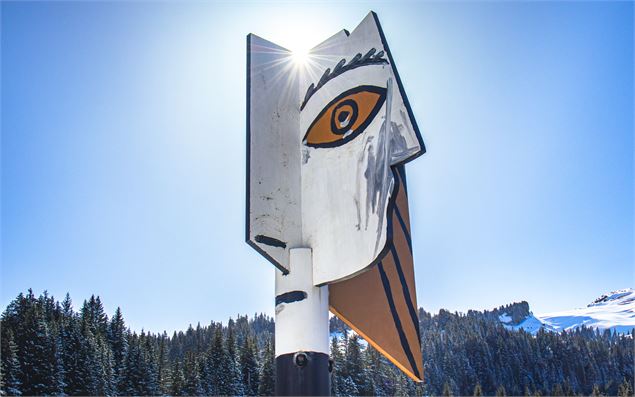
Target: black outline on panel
x,y
395,316
381,91
248,165
402,91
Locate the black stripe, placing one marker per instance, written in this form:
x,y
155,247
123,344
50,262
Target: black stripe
x,y
404,228
274,242
406,292
395,316
401,170
291,296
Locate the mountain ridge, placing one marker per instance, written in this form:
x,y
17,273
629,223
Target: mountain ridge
x,y
614,311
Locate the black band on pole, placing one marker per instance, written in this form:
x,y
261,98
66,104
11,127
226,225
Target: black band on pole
x,y
303,374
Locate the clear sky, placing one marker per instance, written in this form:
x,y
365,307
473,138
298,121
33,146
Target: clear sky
x,y
123,135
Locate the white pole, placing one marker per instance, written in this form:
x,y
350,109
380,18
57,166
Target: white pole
x,y
302,329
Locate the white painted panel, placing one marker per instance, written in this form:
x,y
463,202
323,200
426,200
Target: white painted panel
x,y
273,207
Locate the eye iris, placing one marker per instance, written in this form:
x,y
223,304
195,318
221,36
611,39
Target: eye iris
x,y
344,116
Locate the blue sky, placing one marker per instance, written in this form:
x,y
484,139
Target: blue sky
x,y
123,140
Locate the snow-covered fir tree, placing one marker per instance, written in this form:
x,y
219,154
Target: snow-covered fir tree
x,y
11,385
267,371
249,366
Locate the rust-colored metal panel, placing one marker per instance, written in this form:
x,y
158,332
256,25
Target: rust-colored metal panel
x,y
381,304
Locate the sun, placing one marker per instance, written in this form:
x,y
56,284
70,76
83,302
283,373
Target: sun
x,y
300,56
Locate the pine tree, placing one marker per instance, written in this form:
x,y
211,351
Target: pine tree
x,y
118,340
67,309
177,387
267,383
163,365
446,390
216,358
478,391
355,367
76,360
10,365
132,377
93,315
625,389
149,366
348,387
192,381
41,372
105,373
401,386
235,378
337,358
249,366
378,371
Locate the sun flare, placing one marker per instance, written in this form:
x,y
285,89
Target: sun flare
x,y
300,56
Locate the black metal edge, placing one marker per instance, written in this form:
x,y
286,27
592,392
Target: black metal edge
x,y
402,91
248,140
248,167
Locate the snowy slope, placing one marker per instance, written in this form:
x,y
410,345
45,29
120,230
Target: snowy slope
x,y
615,311
530,324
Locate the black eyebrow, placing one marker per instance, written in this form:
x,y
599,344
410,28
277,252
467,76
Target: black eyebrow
x,y
370,58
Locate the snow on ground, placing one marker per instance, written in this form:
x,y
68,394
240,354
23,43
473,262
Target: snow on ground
x,y
615,311
505,318
530,324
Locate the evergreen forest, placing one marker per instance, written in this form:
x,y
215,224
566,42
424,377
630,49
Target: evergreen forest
x,y
49,348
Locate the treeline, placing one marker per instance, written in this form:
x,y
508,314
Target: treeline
x,y
466,354
47,348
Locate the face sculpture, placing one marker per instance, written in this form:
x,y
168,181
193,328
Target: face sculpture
x,y
327,146
356,126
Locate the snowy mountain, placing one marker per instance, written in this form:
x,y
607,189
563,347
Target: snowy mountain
x,y
615,311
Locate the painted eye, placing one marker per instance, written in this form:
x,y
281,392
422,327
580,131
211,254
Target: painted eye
x,y
345,117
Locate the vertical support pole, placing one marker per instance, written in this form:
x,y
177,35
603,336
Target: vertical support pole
x,y
302,330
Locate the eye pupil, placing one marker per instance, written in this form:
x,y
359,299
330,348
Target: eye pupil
x,y
344,116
